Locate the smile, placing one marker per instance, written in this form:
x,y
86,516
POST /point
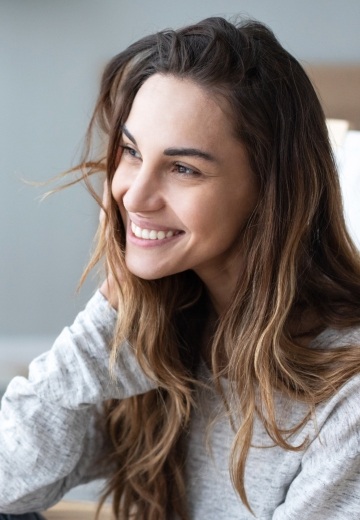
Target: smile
x,y
151,234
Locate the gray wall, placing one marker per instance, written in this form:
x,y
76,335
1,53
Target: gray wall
x,y
51,55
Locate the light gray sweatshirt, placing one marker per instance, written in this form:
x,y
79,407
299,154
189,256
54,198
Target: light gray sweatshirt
x,y
50,440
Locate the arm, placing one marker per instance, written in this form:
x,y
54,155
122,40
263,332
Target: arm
x,y
328,484
49,440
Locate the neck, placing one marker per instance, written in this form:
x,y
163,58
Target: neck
x,y
220,281
220,290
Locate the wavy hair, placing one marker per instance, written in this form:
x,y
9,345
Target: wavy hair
x,y
299,262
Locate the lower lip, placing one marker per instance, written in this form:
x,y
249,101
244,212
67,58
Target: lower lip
x,y
133,239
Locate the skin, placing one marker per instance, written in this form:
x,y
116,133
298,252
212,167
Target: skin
x,y
182,170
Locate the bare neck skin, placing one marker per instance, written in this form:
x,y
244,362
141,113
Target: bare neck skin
x,y
221,281
221,293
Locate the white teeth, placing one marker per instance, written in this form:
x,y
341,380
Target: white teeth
x,y
150,234
137,231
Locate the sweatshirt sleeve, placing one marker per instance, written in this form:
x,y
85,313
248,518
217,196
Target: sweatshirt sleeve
x,y
49,438
328,483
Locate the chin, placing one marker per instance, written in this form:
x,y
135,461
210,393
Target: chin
x,y
144,274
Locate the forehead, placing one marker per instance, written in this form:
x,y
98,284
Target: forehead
x,y
176,107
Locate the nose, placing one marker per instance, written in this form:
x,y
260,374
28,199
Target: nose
x,y
140,192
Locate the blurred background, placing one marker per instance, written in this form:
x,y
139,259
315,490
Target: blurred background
x,y
52,53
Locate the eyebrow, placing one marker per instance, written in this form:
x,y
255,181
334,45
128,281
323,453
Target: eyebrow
x,y
128,134
173,152
189,152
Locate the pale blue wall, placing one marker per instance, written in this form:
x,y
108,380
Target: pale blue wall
x,y
51,54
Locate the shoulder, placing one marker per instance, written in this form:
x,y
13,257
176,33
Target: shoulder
x,y
338,417
327,482
337,420
334,338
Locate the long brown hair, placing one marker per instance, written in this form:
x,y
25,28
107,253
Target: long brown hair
x,y
299,262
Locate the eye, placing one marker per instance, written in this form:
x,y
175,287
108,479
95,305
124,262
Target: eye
x,y
186,170
130,152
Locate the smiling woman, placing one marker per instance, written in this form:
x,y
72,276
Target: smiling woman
x,y
217,370
168,185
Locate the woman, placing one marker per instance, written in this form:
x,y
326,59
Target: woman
x,y
233,328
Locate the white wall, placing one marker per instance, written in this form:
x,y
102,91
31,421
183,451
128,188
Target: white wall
x,y
51,55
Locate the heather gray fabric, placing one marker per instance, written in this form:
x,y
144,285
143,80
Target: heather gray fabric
x,y
51,440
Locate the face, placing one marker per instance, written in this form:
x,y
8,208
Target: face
x,y
183,184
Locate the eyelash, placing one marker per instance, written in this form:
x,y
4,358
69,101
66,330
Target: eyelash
x,y
127,150
190,172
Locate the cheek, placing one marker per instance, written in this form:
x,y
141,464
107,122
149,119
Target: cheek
x,y
117,186
228,213
118,190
